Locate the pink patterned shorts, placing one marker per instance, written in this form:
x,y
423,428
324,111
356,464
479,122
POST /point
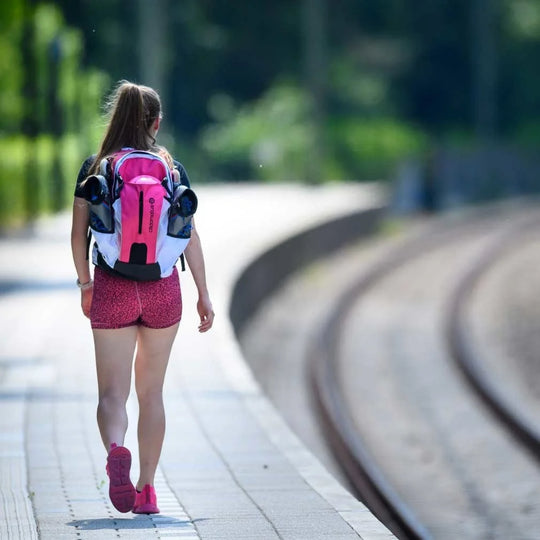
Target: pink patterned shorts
x,y
118,302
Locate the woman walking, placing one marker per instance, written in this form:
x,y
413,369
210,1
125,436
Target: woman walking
x,y
132,321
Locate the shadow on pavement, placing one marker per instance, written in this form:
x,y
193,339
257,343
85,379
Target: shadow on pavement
x,y
137,522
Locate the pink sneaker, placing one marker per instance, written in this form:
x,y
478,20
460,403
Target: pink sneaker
x,y
145,501
121,490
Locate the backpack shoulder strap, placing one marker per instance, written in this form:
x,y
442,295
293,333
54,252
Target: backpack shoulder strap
x,y
88,242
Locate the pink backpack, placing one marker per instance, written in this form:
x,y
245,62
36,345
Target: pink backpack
x,y
140,217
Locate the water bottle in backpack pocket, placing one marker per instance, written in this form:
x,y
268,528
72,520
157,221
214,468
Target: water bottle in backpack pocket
x,y
183,206
96,191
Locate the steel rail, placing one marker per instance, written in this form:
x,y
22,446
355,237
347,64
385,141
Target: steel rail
x,y
469,358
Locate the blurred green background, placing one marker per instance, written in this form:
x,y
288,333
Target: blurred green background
x,y
440,98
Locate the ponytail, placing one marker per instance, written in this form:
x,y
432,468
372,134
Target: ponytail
x,y
132,111
128,115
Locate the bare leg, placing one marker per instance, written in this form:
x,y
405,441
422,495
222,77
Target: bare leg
x,y
114,360
153,351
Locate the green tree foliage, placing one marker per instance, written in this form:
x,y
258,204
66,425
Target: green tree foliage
x,y
47,98
271,139
11,70
270,135
398,75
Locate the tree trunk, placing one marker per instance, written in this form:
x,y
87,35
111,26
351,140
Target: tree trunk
x,y
484,56
153,43
315,57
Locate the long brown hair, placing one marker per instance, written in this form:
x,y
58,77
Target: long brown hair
x,y
132,110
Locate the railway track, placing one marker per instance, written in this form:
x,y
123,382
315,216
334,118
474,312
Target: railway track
x,y
421,429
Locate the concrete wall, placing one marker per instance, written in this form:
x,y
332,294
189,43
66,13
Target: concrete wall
x,y
265,274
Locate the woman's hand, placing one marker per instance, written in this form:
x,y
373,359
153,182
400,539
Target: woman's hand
x,y
86,300
206,313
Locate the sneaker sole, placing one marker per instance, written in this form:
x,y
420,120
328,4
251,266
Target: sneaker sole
x,y
146,509
121,490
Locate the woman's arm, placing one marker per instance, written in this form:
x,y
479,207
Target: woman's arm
x,y
79,235
195,260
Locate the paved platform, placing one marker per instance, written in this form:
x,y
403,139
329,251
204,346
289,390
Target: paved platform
x,y
230,467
